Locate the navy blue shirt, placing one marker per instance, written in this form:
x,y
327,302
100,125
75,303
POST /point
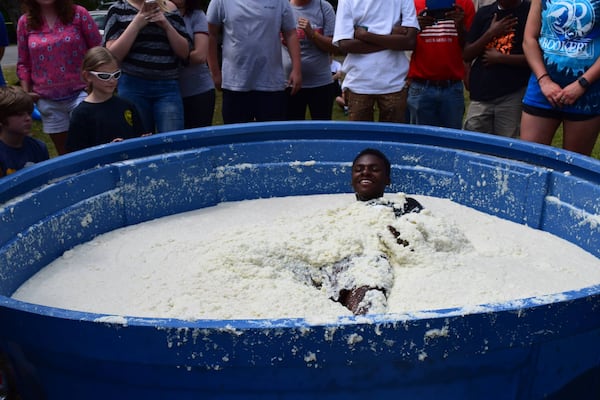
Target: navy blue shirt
x,y
490,82
13,159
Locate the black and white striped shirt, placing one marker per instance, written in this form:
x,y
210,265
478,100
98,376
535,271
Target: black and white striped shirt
x,y
151,55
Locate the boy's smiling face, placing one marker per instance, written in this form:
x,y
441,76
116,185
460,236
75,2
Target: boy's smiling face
x,y
369,177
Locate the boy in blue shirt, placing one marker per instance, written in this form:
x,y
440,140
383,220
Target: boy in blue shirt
x,y
17,149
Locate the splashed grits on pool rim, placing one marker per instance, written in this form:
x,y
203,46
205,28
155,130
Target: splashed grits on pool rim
x,y
263,259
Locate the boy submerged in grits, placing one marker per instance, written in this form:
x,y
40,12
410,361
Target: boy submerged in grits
x,y
371,171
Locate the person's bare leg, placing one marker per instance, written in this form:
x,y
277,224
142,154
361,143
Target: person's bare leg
x,y
59,140
538,129
581,136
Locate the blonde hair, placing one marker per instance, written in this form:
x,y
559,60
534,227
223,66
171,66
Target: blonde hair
x,y
163,5
95,58
14,101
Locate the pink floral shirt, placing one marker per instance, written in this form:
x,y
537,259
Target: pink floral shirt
x,y
50,58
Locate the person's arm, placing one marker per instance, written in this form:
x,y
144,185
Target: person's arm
x,y
401,38
199,54
365,42
458,16
352,299
213,54
553,92
24,58
357,46
323,42
574,90
179,43
121,46
531,47
293,48
533,54
493,56
497,28
344,31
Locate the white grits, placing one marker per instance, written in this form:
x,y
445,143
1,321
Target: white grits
x,y
243,260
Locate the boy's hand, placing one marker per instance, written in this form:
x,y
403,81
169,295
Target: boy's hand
x,y
458,15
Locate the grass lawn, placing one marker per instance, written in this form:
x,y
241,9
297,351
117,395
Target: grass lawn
x,y
338,115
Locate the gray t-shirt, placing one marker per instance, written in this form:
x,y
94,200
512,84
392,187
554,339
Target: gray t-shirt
x,y
195,78
252,42
316,71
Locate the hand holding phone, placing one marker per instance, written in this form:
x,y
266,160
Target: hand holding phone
x,y
149,5
438,8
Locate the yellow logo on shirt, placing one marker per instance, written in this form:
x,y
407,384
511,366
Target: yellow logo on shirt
x,y
128,117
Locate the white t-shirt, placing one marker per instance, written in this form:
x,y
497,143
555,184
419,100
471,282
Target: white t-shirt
x,y
383,71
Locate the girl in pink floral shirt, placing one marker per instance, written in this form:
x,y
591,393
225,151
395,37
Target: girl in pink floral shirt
x,y
53,37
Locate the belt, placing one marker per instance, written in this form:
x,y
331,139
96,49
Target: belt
x,y
443,83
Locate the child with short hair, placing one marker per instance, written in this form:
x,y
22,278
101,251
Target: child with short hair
x,y
17,149
102,117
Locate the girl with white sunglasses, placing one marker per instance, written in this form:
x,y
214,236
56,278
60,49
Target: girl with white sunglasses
x,y
102,117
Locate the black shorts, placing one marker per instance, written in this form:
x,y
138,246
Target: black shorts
x,y
555,113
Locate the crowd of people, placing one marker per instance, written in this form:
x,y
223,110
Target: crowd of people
x,y
528,67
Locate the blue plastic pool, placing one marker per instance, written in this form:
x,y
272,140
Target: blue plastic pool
x,y
527,349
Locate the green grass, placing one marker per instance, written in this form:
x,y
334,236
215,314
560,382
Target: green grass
x,y
338,115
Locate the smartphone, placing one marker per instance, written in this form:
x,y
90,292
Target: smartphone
x,y
150,4
438,8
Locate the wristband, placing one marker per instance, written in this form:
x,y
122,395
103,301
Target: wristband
x,y
583,82
542,76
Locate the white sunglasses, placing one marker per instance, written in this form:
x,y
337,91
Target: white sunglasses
x,y
105,76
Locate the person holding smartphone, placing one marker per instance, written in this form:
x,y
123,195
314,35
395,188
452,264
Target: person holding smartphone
x,y
437,71
150,41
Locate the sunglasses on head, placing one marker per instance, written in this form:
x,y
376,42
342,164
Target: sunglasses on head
x,y
105,76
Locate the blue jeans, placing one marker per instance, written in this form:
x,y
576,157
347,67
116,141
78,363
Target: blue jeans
x,y
158,102
435,105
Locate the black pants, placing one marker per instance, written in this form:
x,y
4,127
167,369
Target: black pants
x,y
252,106
198,110
319,101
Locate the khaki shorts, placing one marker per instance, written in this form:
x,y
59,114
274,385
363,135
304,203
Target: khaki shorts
x,y
501,116
392,106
